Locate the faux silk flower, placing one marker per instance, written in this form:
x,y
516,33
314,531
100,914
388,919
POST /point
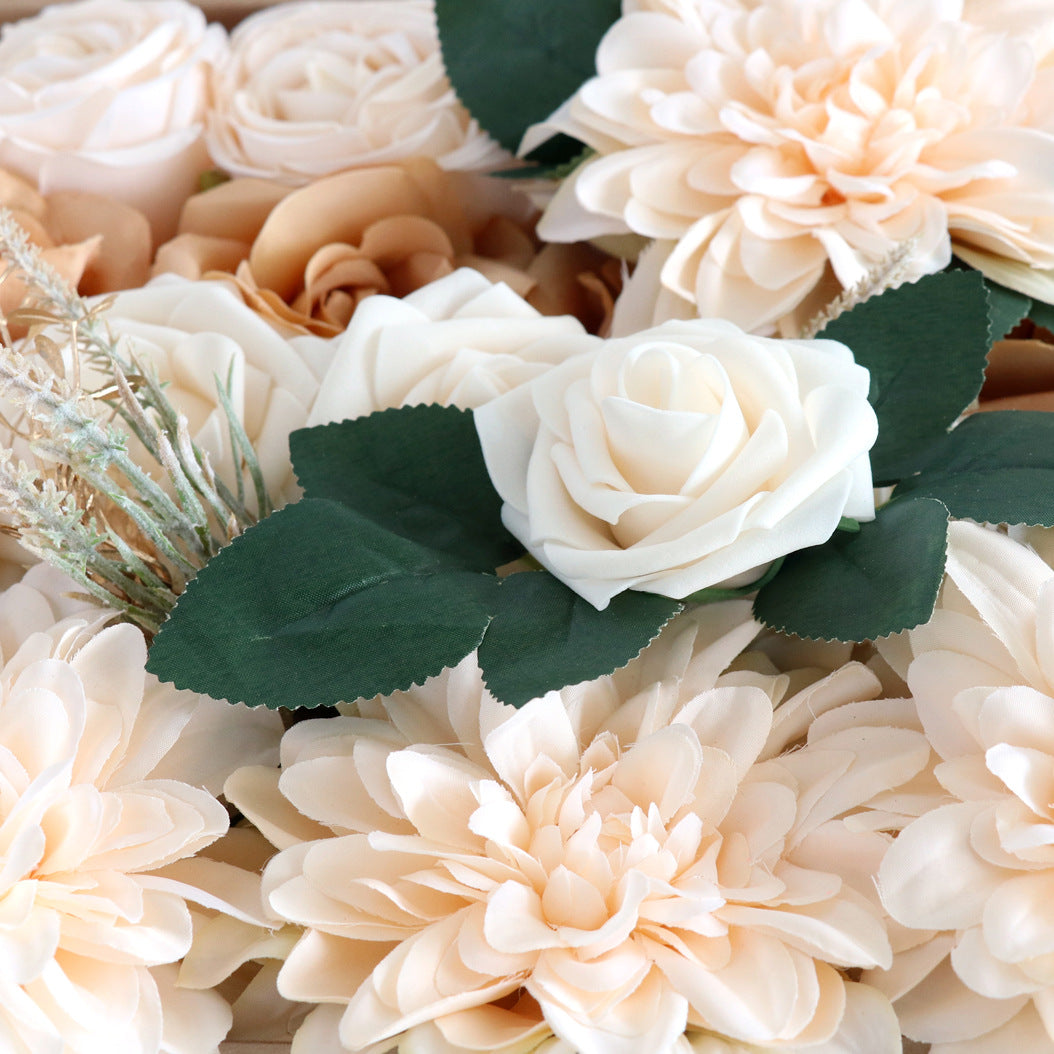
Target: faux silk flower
x,y
196,335
460,341
611,865
91,825
109,96
686,456
315,88
94,243
306,257
974,874
778,151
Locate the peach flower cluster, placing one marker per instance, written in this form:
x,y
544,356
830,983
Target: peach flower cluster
x,y
101,797
777,152
612,865
973,874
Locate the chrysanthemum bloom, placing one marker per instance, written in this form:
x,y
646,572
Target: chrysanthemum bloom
x,y
613,864
979,867
777,151
89,822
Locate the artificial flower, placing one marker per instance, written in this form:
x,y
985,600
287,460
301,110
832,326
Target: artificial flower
x,y
973,875
460,341
304,258
94,243
314,88
780,151
109,96
683,457
197,336
89,916
651,852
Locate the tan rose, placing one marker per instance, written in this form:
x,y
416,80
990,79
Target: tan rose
x,y
97,244
110,97
306,258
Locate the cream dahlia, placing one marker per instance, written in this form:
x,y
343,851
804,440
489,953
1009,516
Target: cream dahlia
x,y
611,865
90,912
974,875
779,150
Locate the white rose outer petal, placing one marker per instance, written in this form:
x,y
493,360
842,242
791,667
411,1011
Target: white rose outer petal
x,y
759,446
110,97
316,88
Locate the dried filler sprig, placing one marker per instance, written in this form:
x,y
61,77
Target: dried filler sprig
x,y
86,505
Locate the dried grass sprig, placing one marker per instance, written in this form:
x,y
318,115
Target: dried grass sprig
x,y
87,506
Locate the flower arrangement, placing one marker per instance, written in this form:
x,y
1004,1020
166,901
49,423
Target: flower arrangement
x,y
527,535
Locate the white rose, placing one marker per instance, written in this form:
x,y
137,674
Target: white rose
x,y
683,457
459,341
315,88
110,96
195,333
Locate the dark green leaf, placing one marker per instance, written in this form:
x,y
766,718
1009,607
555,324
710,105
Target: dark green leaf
x,y
925,345
417,471
860,586
533,55
1006,308
545,636
995,468
1042,314
318,604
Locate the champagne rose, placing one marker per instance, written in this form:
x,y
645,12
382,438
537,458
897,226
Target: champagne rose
x,y
683,457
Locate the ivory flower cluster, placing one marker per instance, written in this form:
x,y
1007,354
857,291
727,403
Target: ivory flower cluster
x,y
778,151
973,874
98,796
610,865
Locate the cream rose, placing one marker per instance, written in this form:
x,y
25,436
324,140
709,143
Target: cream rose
x,y
196,334
459,341
109,96
315,88
686,456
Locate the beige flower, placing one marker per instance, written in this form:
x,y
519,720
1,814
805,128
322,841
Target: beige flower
x,y
686,456
460,341
109,97
779,150
90,826
196,335
648,852
96,244
978,867
305,258
315,88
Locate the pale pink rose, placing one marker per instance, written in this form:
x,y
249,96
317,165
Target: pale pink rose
x,y
98,825
974,874
109,96
316,88
686,456
779,151
599,871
